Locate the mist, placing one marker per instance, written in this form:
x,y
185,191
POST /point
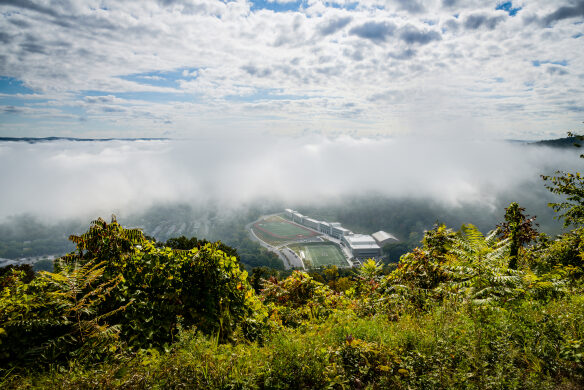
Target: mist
x,y
68,179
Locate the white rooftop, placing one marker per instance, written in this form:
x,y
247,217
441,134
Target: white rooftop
x,y
360,239
382,236
342,229
370,246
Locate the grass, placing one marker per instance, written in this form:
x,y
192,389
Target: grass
x,y
449,347
320,254
284,229
276,230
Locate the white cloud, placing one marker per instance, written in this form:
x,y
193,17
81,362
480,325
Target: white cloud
x,y
441,57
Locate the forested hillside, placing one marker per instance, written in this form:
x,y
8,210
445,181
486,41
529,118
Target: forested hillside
x,y
503,310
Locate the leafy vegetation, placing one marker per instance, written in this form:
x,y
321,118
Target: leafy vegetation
x,y
461,310
570,185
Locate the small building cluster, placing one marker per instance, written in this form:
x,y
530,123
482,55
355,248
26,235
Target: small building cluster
x,y
361,245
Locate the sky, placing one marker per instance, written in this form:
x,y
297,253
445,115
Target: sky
x,y
191,69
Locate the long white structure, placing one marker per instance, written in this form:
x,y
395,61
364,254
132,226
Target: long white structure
x,y
360,245
311,223
325,227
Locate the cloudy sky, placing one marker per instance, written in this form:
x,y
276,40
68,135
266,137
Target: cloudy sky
x,y
188,68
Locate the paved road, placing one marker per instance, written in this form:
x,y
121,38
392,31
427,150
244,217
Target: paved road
x,y
288,257
293,260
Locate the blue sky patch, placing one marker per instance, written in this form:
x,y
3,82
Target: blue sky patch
x,y
21,101
537,63
276,7
508,7
147,96
169,79
73,110
264,94
347,6
12,86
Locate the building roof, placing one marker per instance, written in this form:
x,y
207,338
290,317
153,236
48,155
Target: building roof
x,y
360,239
382,236
365,247
340,228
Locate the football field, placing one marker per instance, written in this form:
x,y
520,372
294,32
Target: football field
x,y
316,254
276,230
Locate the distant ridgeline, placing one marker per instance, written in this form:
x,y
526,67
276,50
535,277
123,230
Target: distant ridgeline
x,y
559,142
32,140
567,142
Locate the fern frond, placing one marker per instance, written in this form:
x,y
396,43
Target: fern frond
x,y
472,236
492,238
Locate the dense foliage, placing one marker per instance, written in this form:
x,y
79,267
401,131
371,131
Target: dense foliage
x,y
117,276
462,310
123,312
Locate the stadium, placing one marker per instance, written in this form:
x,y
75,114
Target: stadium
x,y
361,246
304,242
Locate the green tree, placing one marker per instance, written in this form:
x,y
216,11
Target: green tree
x,y
202,287
185,243
518,228
259,275
7,272
438,240
571,186
105,242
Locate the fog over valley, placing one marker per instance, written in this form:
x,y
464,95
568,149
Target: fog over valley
x,y
65,179
202,186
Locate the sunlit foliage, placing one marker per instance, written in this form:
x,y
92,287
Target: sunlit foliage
x,y
462,310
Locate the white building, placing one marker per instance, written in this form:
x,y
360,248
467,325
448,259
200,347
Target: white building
x,y
362,246
338,231
311,223
297,217
383,238
324,227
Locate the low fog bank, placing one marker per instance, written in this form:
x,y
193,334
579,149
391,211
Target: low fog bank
x,y
72,180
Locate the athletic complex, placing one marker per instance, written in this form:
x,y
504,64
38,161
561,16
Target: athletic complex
x,y
303,242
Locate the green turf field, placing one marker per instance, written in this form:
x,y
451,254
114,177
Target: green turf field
x,y
283,229
275,231
318,254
